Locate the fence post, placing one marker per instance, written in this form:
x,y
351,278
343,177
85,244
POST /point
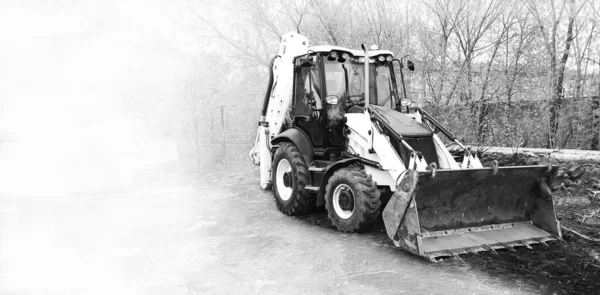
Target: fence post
x,y
224,159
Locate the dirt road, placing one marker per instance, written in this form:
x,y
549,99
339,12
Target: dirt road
x,y
221,235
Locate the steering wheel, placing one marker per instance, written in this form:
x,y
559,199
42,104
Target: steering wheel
x,y
359,101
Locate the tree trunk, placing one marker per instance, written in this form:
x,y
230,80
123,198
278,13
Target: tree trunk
x,y
479,120
567,155
442,76
507,122
555,105
483,122
595,144
557,96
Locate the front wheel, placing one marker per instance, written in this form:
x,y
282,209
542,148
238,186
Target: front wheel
x,y
352,200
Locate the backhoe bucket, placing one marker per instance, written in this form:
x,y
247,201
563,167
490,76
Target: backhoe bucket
x,y
451,212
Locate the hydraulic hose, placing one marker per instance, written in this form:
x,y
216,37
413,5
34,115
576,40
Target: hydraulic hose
x,y
428,116
269,88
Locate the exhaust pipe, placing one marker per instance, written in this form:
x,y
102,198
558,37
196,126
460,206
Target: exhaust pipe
x,y
364,48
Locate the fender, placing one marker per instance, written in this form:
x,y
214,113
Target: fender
x,y
300,139
336,166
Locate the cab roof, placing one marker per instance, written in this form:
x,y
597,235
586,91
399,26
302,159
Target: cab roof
x,y
353,52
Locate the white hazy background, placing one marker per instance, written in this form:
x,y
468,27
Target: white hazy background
x,y
109,108
85,87
76,80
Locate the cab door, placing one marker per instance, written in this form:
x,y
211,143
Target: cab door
x,y
335,101
307,110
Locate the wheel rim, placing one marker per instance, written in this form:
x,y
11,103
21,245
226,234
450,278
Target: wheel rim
x,y
284,179
343,201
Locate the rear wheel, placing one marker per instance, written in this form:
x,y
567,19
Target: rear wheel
x,y
290,177
352,200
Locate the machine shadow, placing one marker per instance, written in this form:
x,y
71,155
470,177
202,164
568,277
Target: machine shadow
x,y
540,270
552,269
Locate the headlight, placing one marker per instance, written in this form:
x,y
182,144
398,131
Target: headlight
x,y
389,58
332,56
381,58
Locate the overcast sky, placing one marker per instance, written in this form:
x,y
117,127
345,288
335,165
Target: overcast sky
x,y
65,63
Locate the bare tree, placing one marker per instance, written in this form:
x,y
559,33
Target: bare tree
x,y
250,29
297,12
445,14
581,52
519,40
486,56
328,16
549,29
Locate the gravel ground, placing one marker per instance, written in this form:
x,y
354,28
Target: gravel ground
x,y
217,235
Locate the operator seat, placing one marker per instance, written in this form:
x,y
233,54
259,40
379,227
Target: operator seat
x,y
355,110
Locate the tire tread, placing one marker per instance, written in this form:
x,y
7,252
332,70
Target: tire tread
x,y
303,201
368,195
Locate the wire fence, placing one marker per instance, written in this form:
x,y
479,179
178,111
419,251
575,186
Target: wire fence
x,y
525,123
228,132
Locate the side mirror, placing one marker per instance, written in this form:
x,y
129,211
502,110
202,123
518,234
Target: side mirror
x,y
410,64
306,64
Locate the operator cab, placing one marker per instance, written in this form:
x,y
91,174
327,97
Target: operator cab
x,y
337,74
329,83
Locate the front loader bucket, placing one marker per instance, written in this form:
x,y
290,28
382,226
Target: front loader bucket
x,y
450,212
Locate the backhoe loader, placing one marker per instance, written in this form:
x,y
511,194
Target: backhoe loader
x,y
336,131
